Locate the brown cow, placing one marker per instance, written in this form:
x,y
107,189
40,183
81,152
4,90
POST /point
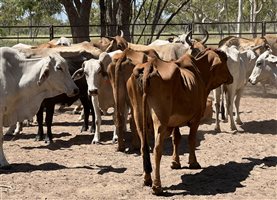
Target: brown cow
x,y
119,72
175,94
245,43
168,52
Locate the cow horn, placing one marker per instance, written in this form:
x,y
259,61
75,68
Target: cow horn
x,y
188,41
121,33
204,40
256,47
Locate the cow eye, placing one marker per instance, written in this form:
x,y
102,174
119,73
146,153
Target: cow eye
x,y
59,68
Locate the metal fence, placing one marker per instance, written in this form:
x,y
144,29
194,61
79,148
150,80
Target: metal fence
x,y
39,34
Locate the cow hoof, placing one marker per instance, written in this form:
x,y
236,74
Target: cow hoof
x,y
92,130
239,122
157,190
84,129
175,165
95,142
114,141
121,148
217,129
38,138
195,166
147,183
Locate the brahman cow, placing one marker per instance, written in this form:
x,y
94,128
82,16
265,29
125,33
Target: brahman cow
x,y
244,43
174,94
121,69
24,83
265,69
173,51
48,104
119,72
240,65
99,88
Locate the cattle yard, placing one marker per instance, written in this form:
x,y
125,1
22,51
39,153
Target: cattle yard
x,y
163,87
234,166
39,34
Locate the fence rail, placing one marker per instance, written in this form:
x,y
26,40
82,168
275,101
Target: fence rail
x,y
216,31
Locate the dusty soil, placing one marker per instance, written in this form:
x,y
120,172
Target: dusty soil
x,y
234,166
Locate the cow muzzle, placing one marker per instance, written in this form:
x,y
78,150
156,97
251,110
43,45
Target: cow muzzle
x,y
93,92
253,82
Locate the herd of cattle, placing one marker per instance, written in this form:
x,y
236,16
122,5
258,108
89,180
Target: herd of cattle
x,y
163,86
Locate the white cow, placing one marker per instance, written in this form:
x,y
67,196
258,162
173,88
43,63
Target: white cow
x,y
265,69
63,41
240,65
99,88
24,83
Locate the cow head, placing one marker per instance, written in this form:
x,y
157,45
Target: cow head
x,y
54,75
115,43
218,72
95,71
196,45
264,68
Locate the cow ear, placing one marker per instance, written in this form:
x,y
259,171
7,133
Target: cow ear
x,y
110,47
44,74
78,74
105,59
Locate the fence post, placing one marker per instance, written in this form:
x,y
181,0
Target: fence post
x,y
51,32
263,28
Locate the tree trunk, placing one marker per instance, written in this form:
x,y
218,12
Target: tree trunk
x,y
103,17
78,16
124,13
240,2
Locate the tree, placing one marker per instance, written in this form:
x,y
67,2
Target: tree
x,y
78,13
240,2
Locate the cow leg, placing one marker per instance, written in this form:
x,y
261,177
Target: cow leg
x,y
48,120
19,127
92,128
135,136
230,102
193,164
216,93
237,103
3,161
176,138
160,133
85,103
11,130
97,113
115,137
39,115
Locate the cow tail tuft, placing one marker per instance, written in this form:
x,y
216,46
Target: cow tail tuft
x,y
146,152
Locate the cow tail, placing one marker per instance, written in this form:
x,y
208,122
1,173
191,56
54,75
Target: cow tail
x,y
116,85
145,148
223,117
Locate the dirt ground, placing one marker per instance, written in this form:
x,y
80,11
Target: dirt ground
x,y
234,166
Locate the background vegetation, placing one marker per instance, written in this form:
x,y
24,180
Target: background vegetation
x,y
135,17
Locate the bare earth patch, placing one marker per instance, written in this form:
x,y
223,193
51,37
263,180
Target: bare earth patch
x,y
234,166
